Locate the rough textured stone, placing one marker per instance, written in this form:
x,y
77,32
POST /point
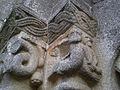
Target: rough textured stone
x,y
107,15
42,8
5,10
59,44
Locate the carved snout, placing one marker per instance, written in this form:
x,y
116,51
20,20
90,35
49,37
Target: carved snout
x,y
37,78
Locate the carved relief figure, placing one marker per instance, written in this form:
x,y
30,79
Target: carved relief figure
x,y
79,66
24,56
81,59
26,49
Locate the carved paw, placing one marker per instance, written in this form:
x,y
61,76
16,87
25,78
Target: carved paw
x,y
98,71
95,69
56,70
92,68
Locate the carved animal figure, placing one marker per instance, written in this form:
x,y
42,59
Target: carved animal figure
x,y
25,56
78,60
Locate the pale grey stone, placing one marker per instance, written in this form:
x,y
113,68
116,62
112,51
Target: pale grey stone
x,y
107,14
5,9
42,8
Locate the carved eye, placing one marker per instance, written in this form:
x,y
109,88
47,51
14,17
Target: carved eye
x,y
54,52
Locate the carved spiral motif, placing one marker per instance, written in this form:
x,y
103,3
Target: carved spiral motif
x,y
25,61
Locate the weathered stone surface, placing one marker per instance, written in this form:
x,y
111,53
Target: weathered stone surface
x,y
107,14
59,45
42,8
5,10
